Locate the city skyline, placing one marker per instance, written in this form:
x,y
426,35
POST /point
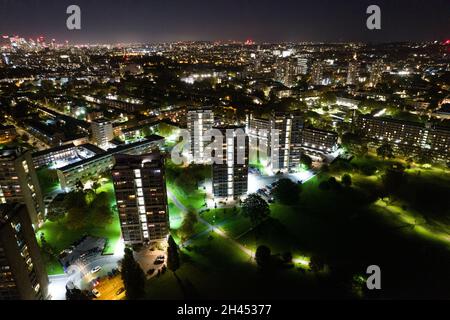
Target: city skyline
x,y
267,21
261,167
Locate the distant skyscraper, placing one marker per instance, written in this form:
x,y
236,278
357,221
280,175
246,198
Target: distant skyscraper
x,y
140,188
230,177
302,66
19,183
102,132
376,73
317,73
288,70
22,272
353,72
199,121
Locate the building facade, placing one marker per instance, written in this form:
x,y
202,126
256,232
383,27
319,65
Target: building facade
x,y
258,131
102,132
286,131
140,188
408,138
90,167
376,73
199,121
22,272
19,183
278,142
353,73
7,134
230,168
317,73
316,141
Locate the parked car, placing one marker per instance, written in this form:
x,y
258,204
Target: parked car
x,y
96,269
95,283
121,290
96,293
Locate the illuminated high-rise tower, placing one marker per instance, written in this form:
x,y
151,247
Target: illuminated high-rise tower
x,y
140,188
199,121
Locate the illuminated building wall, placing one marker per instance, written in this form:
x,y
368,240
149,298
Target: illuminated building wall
x,y
230,177
408,138
199,121
140,188
19,183
22,272
102,132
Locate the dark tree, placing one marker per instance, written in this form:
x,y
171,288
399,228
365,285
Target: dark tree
x,y
79,185
346,180
306,160
133,277
287,192
316,264
385,151
76,294
393,179
333,183
255,208
287,257
55,215
324,185
95,186
173,257
263,256
187,228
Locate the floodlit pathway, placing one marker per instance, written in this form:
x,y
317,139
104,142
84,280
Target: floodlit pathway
x,y
210,227
218,231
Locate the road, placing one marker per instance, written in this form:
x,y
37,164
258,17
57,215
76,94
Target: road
x,y
57,287
80,274
39,144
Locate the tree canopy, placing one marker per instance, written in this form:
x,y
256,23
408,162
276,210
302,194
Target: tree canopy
x,y
173,257
287,192
263,256
133,277
255,208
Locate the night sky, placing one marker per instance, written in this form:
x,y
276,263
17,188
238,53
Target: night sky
x,y
260,20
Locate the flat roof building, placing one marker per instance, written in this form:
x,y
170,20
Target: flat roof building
x,y
85,169
408,138
199,121
102,132
140,188
230,167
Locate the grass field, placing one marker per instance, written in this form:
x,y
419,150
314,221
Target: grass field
x,y
59,236
215,269
346,227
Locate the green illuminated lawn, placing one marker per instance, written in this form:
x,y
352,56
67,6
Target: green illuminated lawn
x,y
175,215
346,227
194,200
48,180
214,268
229,221
59,236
